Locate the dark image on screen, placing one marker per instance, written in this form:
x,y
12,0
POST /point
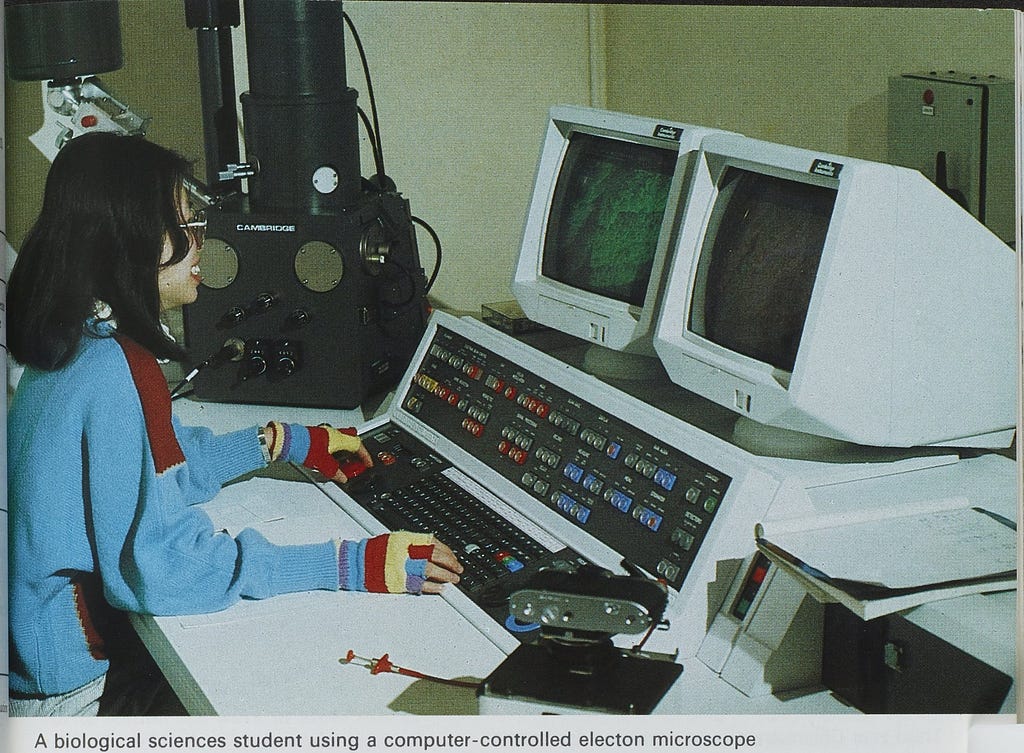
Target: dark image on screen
x,y
606,215
765,242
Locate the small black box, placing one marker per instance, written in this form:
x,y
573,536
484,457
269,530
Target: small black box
x,y
625,684
891,665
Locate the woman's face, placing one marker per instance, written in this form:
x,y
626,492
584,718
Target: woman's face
x,y
179,283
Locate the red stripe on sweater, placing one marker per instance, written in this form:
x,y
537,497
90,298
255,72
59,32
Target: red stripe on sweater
x,y
84,592
156,404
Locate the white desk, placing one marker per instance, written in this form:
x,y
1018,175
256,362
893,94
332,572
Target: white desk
x,y
224,417
280,656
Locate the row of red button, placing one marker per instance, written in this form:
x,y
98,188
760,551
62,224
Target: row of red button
x,y
517,454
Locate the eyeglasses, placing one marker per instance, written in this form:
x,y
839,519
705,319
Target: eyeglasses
x,y
196,227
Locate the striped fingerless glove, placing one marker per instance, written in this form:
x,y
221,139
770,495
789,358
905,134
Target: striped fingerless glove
x,y
310,445
390,563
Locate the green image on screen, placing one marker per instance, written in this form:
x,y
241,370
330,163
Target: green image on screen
x,y
606,216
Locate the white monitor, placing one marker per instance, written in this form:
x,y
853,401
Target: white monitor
x,y
600,224
840,298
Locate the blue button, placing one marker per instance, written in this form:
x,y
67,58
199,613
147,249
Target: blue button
x,y
583,514
665,479
573,472
613,449
622,501
649,519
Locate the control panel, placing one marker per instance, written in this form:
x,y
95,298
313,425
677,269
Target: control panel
x,y
645,499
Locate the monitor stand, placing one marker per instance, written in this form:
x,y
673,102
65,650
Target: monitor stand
x,y
616,366
771,441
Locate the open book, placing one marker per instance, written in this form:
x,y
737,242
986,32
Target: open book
x,y
879,566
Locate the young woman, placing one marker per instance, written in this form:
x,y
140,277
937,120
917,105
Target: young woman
x,y
102,478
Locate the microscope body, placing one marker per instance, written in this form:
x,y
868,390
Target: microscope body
x,y
316,269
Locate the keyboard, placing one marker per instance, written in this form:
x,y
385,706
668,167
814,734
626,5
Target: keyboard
x,y
488,544
499,548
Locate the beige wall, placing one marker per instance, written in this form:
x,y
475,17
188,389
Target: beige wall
x,y
159,77
812,77
463,89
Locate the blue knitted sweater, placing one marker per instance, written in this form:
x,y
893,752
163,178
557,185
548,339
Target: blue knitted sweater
x,y
101,486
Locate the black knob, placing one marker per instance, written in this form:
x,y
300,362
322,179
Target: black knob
x,y
286,359
264,302
234,315
296,319
285,366
255,362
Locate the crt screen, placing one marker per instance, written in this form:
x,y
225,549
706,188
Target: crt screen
x,y
606,215
759,263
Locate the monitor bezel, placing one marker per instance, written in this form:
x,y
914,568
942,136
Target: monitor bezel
x,y
598,319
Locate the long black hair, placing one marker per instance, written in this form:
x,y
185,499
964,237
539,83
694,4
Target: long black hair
x,y
108,205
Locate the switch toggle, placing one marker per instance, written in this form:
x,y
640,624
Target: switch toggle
x,y
233,316
263,303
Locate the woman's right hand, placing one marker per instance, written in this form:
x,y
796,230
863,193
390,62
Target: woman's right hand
x,y
398,562
314,447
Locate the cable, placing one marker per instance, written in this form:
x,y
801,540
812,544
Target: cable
x,y
180,392
650,630
377,145
178,389
379,156
437,245
636,572
411,277
374,144
232,350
